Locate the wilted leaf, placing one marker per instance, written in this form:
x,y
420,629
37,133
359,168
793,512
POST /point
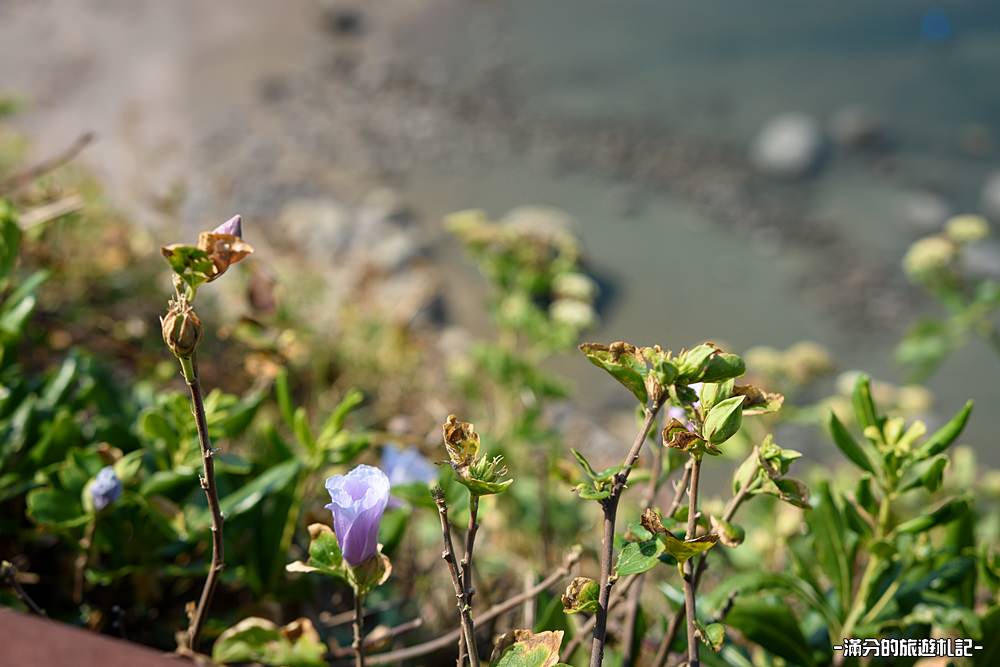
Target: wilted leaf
x,y
461,441
758,401
623,362
581,595
521,648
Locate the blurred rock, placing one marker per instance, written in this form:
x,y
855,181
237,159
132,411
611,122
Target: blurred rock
x,y
367,255
991,196
924,211
858,128
982,260
322,226
790,145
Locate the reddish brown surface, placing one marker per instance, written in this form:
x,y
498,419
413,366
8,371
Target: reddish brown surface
x,y
31,641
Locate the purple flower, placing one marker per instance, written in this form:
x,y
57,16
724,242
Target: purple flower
x,y
233,226
407,466
106,488
358,500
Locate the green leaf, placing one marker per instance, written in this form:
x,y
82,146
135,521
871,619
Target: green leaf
x,y
129,466
521,648
602,476
832,550
723,366
478,487
928,473
271,481
191,263
990,623
682,550
302,431
714,392
324,554
947,434
754,582
261,641
10,238
946,512
864,405
335,422
713,634
723,420
581,595
848,445
284,396
56,508
638,557
623,362
772,626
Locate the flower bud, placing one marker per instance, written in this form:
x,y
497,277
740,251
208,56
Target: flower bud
x,y
181,329
105,489
967,228
929,256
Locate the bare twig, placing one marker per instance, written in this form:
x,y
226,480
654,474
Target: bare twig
x,y
83,559
58,208
465,611
359,619
190,369
466,565
617,595
689,566
663,650
445,640
22,178
632,649
8,572
610,507
376,637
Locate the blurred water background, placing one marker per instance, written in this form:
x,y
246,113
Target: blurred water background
x,y
635,117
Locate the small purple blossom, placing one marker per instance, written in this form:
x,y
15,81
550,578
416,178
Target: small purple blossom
x,y
358,500
233,226
106,488
407,466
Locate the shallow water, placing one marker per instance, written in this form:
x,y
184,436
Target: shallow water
x,y
698,72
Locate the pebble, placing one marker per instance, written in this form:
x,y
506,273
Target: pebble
x,y
790,145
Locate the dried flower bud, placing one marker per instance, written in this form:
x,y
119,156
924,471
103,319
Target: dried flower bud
x,y
461,441
181,329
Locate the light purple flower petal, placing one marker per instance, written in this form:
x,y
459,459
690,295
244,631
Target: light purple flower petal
x,y
106,488
407,466
358,500
232,226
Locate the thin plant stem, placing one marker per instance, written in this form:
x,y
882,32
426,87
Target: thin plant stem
x,y
617,595
375,638
689,568
610,507
80,566
663,650
466,565
359,619
631,652
448,639
190,370
8,573
465,611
